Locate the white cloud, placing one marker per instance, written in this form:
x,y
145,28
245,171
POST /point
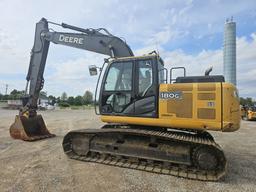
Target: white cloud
x,y
197,64
72,76
145,25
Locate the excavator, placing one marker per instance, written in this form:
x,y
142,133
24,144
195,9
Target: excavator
x,y
248,113
152,123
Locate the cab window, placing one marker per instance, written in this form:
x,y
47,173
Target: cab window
x,y
161,75
119,77
145,76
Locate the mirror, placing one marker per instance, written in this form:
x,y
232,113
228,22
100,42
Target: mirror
x,y
93,70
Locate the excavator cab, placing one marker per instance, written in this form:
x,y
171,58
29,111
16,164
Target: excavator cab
x,y
130,87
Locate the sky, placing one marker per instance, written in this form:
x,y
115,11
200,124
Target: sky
x,y
186,33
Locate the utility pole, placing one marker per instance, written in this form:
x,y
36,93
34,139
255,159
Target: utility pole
x,y
6,89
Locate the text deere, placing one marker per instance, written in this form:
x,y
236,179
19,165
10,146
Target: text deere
x,y
69,39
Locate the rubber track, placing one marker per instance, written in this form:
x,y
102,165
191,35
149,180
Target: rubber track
x,y
173,169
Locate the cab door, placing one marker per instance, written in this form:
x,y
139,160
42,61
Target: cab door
x,y
117,90
130,88
146,88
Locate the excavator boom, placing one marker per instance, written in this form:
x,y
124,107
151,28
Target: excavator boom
x,y
90,40
30,126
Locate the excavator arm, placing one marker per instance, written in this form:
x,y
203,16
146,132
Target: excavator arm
x,y
89,39
28,124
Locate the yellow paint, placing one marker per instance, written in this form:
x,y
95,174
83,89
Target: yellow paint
x,y
247,114
226,119
251,115
26,114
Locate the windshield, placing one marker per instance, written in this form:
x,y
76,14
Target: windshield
x,y
119,77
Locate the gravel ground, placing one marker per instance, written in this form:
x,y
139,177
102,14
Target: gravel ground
x,y
42,165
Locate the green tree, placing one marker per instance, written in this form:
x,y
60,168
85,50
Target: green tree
x,y
64,96
58,99
5,97
88,97
71,100
78,100
64,104
15,94
246,101
11,97
52,99
43,94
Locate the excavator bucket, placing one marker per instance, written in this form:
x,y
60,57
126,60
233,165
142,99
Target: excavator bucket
x,y
29,129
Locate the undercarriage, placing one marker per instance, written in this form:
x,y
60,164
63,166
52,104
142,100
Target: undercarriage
x,y
185,154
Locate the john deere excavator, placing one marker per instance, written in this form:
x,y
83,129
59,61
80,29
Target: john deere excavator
x,y
151,124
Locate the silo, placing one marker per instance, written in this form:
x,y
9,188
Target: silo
x,y
229,51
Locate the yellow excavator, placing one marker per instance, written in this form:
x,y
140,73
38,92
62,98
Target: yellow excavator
x,y
154,122
248,113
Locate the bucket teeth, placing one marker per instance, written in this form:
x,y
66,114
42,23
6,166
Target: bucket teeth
x,y
29,129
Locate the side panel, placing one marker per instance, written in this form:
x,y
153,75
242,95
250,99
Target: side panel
x,y
196,105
